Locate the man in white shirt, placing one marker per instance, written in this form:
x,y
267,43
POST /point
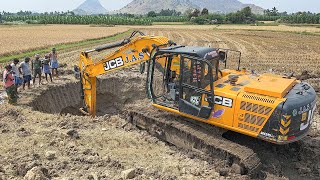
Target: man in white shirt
x,y
16,74
26,72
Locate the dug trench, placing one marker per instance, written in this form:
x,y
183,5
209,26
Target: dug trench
x,y
127,97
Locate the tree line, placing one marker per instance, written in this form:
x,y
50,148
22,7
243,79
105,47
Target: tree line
x,y
55,19
196,16
245,16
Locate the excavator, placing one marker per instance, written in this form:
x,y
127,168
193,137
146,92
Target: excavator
x,y
196,84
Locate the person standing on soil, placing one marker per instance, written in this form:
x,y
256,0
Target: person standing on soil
x,y
76,70
8,80
46,67
36,69
26,72
54,62
16,74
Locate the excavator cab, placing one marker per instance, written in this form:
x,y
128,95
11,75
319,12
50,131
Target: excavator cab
x,y
182,78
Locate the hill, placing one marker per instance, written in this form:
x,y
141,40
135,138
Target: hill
x,y
222,6
90,7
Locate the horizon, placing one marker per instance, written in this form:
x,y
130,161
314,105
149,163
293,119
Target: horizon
x,y
50,6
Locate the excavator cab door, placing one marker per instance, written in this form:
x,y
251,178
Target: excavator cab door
x,y
196,87
163,80
183,83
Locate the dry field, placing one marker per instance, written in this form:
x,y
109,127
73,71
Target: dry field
x,y
15,39
280,28
280,52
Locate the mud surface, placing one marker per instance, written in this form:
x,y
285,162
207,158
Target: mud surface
x,y
299,160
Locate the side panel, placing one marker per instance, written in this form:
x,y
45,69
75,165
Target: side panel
x,y
224,107
252,112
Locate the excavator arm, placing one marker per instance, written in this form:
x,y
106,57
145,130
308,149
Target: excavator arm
x,y
132,51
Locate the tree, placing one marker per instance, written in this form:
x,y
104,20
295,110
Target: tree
x,y
152,14
267,12
274,11
204,12
199,20
188,13
246,12
194,13
240,17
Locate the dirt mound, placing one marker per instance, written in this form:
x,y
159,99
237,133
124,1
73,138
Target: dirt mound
x,y
298,160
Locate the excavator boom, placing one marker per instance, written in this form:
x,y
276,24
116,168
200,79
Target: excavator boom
x,y
131,52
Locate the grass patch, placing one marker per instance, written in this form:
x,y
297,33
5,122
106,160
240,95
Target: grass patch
x,y
265,24
303,25
169,23
64,46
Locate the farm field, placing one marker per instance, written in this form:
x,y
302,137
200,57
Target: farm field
x,y
104,147
15,39
280,28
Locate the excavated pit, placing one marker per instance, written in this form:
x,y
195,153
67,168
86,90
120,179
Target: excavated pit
x,y
112,95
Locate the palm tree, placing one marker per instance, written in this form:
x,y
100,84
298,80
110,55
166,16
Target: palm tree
x,y
274,11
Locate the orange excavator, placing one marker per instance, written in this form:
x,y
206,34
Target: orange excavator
x,y
196,84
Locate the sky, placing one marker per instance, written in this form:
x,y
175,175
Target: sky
x,y
64,5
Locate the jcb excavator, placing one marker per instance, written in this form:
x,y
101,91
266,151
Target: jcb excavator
x,y
196,84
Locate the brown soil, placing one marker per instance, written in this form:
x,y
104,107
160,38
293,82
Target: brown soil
x,y
46,121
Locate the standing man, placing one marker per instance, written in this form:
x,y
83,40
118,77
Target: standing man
x,y
54,62
46,67
8,82
16,74
36,69
26,72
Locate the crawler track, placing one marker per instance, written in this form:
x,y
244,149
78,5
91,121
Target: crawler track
x,y
191,135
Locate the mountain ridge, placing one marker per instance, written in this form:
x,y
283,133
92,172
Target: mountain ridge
x,y
222,6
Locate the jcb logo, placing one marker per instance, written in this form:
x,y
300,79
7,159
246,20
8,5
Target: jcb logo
x,y
117,62
223,101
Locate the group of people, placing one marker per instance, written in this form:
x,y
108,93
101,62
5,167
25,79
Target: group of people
x,y
12,78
